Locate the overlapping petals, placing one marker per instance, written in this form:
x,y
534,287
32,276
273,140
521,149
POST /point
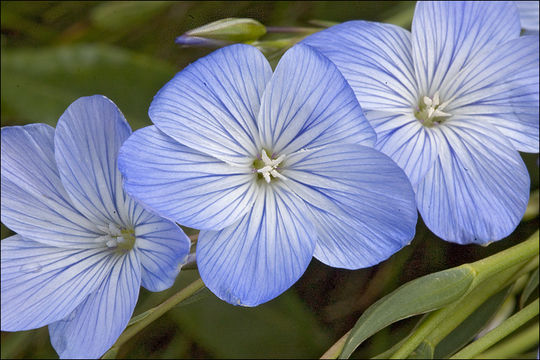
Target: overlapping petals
x,y
87,164
308,104
208,193
42,284
83,246
34,201
246,181
262,255
359,200
93,327
213,103
478,189
469,58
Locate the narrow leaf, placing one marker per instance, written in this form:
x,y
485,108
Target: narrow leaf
x,y
529,288
423,351
419,296
466,331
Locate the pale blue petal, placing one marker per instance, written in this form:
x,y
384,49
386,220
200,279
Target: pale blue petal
x,y
262,255
477,190
162,247
88,137
360,201
375,59
182,184
212,104
93,327
528,14
446,36
308,104
34,202
410,144
501,86
42,284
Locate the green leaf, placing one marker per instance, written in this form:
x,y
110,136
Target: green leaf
x,y
419,296
466,331
39,84
423,351
529,288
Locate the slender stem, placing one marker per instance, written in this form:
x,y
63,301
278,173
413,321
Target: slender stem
x,y
484,269
155,313
500,332
515,345
516,254
335,349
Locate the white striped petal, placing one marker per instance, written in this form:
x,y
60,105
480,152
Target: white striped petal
x,y
447,35
93,327
528,15
360,201
42,284
501,86
212,104
261,256
87,139
308,104
34,202
477,190
375,59
182,184
410,144
162,247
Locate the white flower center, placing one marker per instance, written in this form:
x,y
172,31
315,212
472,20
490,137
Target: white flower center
x,y
430,110
268,167
117,238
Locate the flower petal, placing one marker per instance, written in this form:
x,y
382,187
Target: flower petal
x,y
375,59
182,184
262,255
42,284
477,190
88,137
308,104
93,327
446,36
406,141
501,86
361,203
34,202
162,247
528,14
211,105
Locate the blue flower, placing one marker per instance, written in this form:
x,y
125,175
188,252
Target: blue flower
x,y
528,14
274,168
452,103
83,247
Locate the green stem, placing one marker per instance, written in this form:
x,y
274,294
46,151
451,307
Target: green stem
x,y
500,332
485,269
154,314
496,263
335,349
515,345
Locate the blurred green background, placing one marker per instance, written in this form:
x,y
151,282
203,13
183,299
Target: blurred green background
x,y
55,52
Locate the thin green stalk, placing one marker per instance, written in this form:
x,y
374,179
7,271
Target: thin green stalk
x,y
513,346
500,332
335,349
154,314
484,269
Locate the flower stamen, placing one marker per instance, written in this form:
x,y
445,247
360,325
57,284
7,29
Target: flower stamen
x,y
117,238
269,166
430,110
